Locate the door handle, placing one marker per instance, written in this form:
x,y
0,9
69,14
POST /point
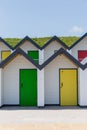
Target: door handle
x,y
61,85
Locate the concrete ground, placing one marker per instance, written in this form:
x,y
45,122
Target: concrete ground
x,y
16,118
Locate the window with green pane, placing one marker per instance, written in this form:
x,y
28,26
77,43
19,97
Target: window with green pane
x,y
34,55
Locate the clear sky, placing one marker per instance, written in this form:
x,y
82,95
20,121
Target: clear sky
x,y
40,18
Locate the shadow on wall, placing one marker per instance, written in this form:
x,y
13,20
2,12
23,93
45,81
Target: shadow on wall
x,y
8,108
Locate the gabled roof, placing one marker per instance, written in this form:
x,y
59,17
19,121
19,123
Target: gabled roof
x,y
2,40
18,51
85,66
77,42
84,62
53,39
27,39
46,44
62,51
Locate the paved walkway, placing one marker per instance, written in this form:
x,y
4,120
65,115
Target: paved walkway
x,y
43,115
44,127
48,118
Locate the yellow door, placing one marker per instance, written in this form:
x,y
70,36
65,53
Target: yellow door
x,y
68,87
5,54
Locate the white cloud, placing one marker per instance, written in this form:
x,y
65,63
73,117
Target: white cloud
x,y
77,29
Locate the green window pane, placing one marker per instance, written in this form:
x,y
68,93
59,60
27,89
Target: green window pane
x,y
34,55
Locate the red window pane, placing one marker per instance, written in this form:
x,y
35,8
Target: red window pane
x,y
82,55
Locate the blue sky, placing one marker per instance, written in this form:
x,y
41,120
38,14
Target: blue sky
x,y
40,18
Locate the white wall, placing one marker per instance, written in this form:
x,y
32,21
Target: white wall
x,y
49,50
51,78
3,47
11,78
69,51
26,46
41,88
83,87
1,88
41,56
84,61
82,45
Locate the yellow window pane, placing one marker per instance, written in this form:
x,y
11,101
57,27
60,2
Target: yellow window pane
x,y
5,54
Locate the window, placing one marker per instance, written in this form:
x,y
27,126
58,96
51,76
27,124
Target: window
x,y
82,55
5,54
34,55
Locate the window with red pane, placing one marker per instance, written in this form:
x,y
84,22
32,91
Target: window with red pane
x,y
82,55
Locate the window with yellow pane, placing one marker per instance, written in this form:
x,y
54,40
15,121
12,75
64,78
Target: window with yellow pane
x,y
5,54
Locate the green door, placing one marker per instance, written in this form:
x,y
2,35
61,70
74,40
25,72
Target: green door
x,y
28,87
34,55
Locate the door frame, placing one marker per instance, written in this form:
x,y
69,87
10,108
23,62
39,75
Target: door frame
x,y
76,83
19,84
